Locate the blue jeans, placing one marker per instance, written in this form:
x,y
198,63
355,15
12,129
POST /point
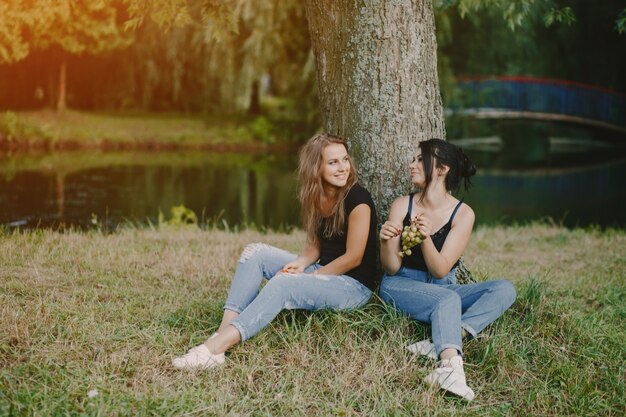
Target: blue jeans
x,y
284,291
445,305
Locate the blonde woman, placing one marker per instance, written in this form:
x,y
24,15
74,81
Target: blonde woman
x,y
336,270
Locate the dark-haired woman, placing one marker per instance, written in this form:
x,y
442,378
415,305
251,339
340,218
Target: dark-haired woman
x,y
334,271
420,281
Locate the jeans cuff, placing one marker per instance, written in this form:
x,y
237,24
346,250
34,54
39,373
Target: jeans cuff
x,y
451,346
472,333
240,329
232,307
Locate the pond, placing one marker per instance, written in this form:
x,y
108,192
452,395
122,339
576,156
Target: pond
x,y
574,182
110,188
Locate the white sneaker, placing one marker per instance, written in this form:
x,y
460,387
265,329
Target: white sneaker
x,y
451,377
424,347
199,357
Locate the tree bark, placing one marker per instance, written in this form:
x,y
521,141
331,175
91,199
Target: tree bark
x,y
61,98
376,67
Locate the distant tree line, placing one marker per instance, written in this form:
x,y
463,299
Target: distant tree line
x,y
197,65
212,58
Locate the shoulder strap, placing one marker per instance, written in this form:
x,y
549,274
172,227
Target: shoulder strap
x,y
455,210
410,205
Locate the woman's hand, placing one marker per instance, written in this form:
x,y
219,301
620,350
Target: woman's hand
x,y
389,230
294,267
424,225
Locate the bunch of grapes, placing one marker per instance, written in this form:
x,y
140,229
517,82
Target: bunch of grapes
x,y
411,237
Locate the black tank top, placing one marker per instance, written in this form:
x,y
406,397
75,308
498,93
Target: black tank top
x,y
416,259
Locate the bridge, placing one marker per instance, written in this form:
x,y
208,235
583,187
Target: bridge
x,y
540,99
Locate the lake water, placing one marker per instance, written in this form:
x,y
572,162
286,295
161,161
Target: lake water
x,y
109,188
577,183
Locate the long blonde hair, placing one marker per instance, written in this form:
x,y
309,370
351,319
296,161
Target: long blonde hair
x,y
311,188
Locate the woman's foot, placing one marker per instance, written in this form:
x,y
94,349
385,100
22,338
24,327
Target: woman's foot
x,y
427,348
450,376
199,357
423,347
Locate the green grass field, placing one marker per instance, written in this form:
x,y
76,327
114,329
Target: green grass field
x,y
89,323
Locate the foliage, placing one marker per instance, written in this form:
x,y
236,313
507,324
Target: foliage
x,y
76,27
234,43
216,17
620,24
194,55
14,128
262,129
13,47
180,216
482,44
206,55
564,15
515,13
64,27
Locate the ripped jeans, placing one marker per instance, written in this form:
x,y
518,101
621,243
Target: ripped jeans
x,y
283,290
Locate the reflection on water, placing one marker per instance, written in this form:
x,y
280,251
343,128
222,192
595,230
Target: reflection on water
x,y
532,170
116,187
75,188
574,197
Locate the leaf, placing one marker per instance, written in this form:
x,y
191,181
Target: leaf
x,y
564,16
620,23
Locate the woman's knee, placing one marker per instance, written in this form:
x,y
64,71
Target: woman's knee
x,y
505,292
447,306
282,285
254,250
448,300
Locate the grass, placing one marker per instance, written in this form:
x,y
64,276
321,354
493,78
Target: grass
x,y
49,130
84,311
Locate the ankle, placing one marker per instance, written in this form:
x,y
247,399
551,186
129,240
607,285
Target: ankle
x,y
455,361
211,345
448,354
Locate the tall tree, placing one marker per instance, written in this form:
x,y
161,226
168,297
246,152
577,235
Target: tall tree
x,y
65,26
378,86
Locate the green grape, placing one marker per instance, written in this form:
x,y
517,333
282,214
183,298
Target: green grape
x,y
410,237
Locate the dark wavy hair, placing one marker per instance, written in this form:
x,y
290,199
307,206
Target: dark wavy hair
x,y
437,153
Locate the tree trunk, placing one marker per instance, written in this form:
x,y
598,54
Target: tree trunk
x,y
376,66
255,99
61,100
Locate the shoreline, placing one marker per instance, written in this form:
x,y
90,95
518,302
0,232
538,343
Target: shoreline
x,y
38,146
48,131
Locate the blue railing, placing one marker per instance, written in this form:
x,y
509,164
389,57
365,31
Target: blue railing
x,y
546,96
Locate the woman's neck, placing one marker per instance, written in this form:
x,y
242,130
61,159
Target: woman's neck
x,y
328,200
329,191
436,197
